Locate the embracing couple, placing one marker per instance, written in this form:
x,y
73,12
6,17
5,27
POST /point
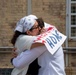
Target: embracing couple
x,y
26,32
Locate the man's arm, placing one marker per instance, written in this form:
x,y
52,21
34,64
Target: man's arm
x,y
34,45
27,57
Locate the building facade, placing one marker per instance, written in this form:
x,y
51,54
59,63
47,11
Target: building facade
x,y
61,13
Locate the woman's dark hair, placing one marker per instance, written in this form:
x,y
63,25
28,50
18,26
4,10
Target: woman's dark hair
x,y
17,33
40,22
15,36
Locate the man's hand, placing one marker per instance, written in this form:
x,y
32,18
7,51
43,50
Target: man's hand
x,y
14,54
43,30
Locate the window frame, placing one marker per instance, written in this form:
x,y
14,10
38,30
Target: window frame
x,y
68,19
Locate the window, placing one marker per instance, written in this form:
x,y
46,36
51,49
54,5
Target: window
x,y
71,18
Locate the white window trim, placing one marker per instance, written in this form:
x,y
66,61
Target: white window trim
x,y
68,19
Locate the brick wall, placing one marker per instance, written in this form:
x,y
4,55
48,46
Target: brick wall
x,y
10,12
5,60
52,11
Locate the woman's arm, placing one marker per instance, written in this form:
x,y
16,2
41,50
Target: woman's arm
x,y
27,57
